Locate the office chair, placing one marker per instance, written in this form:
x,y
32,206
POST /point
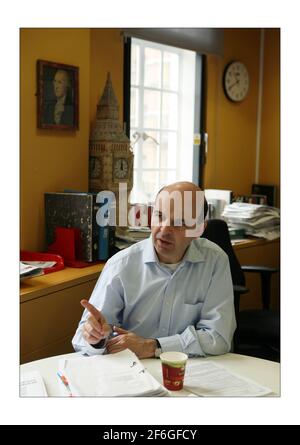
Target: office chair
x,y
258,331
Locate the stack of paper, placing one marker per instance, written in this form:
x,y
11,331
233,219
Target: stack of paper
x,y
32,385
209,379
29,271
112,375
125,237
258,220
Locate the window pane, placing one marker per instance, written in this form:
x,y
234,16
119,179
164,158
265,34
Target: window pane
x,y
149,150
152,68
134,107
169,111
134,140
168,150
170,71
167,177
149,185
151,109
135,64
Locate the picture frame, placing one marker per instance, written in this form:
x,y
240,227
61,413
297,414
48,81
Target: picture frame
x,y
57,96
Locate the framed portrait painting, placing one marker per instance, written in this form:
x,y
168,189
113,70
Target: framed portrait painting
x,y
57,94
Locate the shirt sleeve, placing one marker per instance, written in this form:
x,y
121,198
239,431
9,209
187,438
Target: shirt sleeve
x,y
107,297
213,333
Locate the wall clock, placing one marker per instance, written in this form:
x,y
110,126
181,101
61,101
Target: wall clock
x,y
236,81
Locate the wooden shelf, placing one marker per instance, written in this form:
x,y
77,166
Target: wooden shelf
x,y
52,282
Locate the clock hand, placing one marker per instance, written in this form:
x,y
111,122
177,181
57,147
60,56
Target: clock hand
x,y
229,88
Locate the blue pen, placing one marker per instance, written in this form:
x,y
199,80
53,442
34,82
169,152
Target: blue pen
x,y
65,382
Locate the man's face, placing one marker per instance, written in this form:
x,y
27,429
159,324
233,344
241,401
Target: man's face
x,y
60,83
170,230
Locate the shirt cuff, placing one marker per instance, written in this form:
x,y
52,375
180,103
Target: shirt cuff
x,y
171,343
90,350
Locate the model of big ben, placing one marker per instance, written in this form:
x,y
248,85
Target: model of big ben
x,y
110,154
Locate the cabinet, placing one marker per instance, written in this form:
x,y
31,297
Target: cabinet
x,y
262,253
50,310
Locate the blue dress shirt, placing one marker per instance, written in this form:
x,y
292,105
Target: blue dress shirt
x,y
189,310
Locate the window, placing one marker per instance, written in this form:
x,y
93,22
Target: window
x,y
162,116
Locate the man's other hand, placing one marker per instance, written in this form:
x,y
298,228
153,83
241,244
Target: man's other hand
x,y
142,347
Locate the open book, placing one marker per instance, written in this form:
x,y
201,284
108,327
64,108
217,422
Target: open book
x,y
113,375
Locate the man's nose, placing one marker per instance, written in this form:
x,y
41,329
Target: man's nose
x,y
166,228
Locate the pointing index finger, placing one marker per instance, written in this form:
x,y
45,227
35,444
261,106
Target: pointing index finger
x,y
92,310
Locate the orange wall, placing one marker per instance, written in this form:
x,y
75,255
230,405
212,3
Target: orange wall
x,y
232,127
106,55
269,172
50,160
54,160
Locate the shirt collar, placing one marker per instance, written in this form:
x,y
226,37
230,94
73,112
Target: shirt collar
x,y
149,254
194,253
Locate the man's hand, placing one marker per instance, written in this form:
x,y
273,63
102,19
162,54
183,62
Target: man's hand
x,y
142,347
95,328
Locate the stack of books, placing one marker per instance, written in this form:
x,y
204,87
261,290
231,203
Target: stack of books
x,y
257,220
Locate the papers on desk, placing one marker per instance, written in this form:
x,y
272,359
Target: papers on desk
x,y
112,375
258,220
32,385
211,380
29,271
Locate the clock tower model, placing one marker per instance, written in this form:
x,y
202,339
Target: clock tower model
x,y
110,154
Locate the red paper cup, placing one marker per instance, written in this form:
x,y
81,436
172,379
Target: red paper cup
x,y
173,369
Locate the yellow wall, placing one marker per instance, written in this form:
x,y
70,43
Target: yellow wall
x,y
106,55
54,160
232,127
269,172
50,160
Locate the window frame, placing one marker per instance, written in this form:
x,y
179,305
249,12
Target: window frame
x,y
199,112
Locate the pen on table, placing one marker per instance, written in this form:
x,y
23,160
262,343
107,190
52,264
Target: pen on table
x,y
65,382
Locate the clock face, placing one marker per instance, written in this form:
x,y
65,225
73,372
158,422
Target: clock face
x,y
121,168
236,81
95,167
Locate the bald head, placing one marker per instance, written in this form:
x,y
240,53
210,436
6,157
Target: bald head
x,y
190,194
181,186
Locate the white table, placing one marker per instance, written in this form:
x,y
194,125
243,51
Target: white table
x,y
263,372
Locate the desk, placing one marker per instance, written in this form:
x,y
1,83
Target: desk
x,y
50,308
263,372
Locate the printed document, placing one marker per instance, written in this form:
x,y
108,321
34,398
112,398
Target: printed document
x,y
32,385
209,379
113,375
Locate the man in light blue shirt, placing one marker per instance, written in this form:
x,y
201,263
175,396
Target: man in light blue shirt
x,y
170,292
